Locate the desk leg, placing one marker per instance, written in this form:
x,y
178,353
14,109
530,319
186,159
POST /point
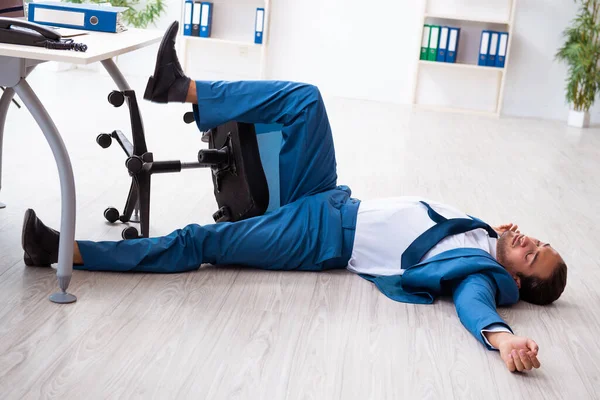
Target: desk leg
x,y
5,100
117,76
67,189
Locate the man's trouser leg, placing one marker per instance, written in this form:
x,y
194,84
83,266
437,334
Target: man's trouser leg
x,y
307,235
307,158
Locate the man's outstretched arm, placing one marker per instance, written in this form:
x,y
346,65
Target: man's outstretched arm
x,y
474,298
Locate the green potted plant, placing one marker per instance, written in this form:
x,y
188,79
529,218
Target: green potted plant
x,y
581,53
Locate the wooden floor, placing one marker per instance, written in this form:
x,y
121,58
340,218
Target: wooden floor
x,y
223,333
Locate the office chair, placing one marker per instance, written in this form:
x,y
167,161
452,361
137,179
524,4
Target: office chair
x,y
240,185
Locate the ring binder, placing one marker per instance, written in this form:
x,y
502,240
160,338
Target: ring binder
x,y
502,44
89,17
187,15
425,42
491,61
443,45
259,25
484,48
433,42
205,18
453,39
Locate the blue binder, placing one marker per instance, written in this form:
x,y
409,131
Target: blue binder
x,y
453,39
259,25
89,17
484,48
187,17
493,50
205,18
502,47
443,44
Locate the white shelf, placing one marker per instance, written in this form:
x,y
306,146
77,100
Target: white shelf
x,y
491,89
221,41
465,18
461,66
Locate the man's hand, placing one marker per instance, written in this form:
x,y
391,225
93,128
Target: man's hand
x,y
518,353
507,227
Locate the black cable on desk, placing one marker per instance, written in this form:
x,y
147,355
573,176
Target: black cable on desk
x,y
65,44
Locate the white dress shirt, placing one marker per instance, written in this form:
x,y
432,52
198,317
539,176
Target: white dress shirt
x,y
386,227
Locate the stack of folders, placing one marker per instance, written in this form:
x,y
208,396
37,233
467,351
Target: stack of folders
x,y
440,43
492,49
198,20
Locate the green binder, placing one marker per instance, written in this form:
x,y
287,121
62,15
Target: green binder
x,y
434,38
425,42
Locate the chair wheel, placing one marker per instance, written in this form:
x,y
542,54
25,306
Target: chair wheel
x,y
134,164
104,140
188,117
111,214
116,98
130,233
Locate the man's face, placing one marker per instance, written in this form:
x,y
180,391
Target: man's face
x,y
525,255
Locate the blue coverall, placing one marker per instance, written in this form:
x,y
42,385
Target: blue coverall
x,y
313,229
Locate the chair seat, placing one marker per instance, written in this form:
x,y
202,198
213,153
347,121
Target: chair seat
x,y
240,189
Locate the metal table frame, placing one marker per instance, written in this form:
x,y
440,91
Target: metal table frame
x,y
13,74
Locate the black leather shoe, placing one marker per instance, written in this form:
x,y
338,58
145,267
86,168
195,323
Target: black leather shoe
x,y
169,82
39,242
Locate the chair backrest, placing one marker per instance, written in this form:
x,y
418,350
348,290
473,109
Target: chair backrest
x,y
243,189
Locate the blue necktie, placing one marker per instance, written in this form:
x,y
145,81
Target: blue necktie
x,y
443,228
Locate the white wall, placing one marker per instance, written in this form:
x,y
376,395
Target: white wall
x,y
369,50
137,63
535,82
233,20
141,62
347,47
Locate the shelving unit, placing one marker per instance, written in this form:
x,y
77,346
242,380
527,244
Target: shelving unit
x,y
465,18
228,45
463,66
446,79
222,41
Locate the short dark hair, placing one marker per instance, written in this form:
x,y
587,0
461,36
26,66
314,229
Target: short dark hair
x,y
544,291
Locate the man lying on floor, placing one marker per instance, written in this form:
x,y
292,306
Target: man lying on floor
x,y
412,249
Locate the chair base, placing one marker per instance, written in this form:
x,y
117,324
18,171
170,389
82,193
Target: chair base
x,y
240,185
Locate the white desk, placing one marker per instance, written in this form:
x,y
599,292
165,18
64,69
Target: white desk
x,y
16,63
